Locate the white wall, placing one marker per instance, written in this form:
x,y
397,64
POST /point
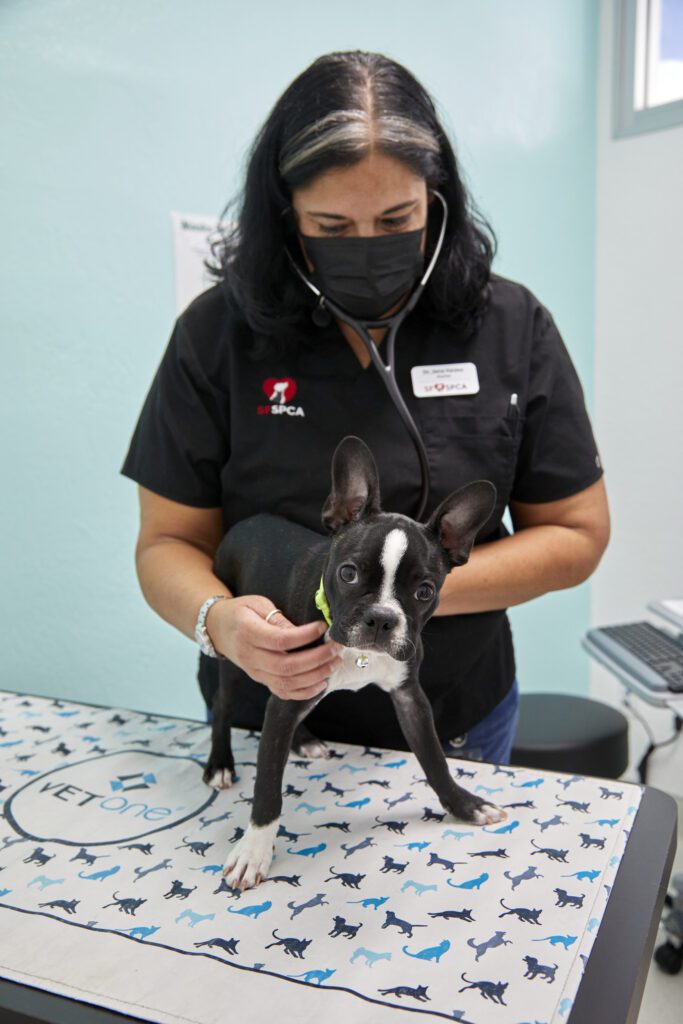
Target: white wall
x,y
639,383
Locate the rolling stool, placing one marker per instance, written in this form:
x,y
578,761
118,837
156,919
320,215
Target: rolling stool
x,y
562,733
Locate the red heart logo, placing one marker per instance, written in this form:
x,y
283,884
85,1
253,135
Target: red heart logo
x,y
279,390
439,386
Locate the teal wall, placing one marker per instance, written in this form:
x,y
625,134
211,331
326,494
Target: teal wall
x,y
115,112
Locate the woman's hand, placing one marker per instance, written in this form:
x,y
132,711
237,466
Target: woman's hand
x,y
238,630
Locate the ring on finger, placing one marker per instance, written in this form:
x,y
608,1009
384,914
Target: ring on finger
x,y
274,611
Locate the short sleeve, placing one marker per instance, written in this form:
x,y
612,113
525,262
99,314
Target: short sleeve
x,y
558,455
181,441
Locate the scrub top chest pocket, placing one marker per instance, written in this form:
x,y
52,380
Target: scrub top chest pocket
x,y
466,443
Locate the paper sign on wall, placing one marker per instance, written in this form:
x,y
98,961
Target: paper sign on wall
x,y
192,237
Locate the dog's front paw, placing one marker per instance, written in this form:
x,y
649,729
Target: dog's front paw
x,y
488,814
249,862
472,810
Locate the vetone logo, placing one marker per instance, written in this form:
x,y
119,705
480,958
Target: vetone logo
x,y
280,391
135,781
108,799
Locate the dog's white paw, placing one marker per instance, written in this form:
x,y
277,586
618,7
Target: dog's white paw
x,y
249,862
489,814
221,779
313,748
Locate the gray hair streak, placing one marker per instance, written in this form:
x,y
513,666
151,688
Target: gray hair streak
x,y
349,132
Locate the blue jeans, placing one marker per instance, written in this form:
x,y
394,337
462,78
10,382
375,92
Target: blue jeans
x,y
492,738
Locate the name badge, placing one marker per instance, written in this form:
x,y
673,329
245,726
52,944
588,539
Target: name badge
x,y
445,380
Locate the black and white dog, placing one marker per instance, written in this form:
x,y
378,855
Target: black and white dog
x,y
378,580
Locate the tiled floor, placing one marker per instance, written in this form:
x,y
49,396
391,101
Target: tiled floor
x,y
663,994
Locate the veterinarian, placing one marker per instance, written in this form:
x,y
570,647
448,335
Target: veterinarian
x,y
351,183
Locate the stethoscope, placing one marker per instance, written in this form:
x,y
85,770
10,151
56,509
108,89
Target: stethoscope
x,y
386,370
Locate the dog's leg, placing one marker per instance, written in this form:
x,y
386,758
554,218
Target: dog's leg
x,y
417,722
220,768
249,861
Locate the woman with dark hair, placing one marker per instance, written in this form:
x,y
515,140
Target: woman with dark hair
x,y
364,103
352,190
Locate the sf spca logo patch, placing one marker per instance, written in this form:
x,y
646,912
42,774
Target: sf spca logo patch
x,y
109,799
280,391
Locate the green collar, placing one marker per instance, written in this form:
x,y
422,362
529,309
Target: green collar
x,y
321,603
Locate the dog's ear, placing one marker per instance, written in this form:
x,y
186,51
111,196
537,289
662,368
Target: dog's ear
x,y
355,485
460,516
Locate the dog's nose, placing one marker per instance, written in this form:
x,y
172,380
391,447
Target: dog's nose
x,y
380,620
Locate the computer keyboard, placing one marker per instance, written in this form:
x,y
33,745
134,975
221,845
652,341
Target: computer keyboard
x,y
654,657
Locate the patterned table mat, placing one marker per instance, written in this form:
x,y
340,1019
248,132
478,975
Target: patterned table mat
x,y
376,900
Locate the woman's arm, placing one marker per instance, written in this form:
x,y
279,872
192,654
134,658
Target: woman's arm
x,y
174,561
174,558
556,544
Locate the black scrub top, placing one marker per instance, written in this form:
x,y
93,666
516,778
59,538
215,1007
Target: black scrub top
x,y
221,428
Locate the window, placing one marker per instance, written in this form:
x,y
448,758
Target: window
x,y
648,65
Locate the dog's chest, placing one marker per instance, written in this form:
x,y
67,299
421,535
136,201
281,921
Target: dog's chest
x,y
380,669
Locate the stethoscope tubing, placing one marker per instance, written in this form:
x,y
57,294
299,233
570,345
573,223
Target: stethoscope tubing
x,y
387,374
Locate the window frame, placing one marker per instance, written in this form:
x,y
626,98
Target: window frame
x,y
626,119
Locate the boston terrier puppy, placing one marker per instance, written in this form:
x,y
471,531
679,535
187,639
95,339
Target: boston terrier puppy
x,y
377,581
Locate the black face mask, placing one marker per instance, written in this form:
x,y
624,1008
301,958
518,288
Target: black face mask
x,y
366,276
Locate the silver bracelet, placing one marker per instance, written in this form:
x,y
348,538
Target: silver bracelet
x,y
200,631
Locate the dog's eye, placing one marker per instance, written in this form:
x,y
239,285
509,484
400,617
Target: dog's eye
x,y
425,592
348,573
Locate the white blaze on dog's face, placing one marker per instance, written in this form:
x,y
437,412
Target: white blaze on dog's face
x,y
395,544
